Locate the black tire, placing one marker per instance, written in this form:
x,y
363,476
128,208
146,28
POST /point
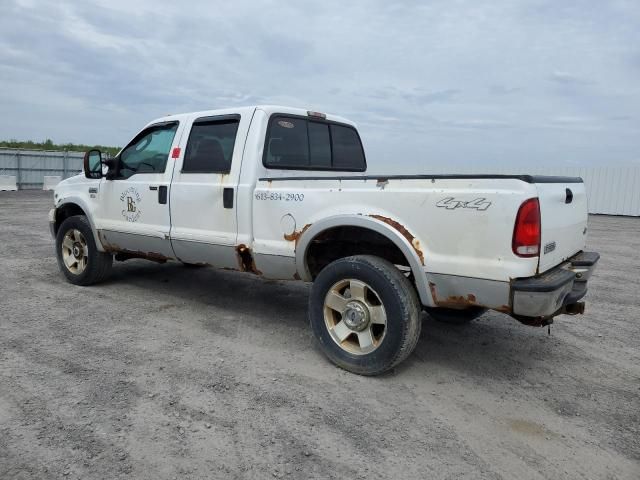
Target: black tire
x,y
455,317
397,296
98,264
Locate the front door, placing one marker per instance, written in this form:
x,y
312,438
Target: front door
x,y
134,207
203,192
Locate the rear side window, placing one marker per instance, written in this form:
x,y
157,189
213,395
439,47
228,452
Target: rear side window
x,y
308,144
210,145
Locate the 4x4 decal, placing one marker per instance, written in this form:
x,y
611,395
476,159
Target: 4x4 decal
x,y
451,203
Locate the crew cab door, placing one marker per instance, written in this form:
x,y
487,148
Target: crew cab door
x,y
133,213
204,191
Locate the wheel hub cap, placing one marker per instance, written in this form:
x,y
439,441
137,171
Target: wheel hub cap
x,y
74,251
356,316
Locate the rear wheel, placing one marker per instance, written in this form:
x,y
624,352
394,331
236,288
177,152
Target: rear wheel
x,y
455,317
364,314
77,254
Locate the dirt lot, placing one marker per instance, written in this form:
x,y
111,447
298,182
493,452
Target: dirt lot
x,y
170,372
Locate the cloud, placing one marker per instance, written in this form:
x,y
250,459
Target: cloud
x,y
426,81
421,97
568,79
503,90
416,96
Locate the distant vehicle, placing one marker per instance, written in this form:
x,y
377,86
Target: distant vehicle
x,y
283,193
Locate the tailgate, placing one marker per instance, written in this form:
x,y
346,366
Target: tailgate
x,y
563,212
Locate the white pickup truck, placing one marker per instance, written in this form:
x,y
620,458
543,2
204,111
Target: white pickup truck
x,y
283,193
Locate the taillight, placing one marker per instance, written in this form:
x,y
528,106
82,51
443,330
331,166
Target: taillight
x,y
526,233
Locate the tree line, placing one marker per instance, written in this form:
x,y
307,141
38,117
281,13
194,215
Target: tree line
x,y
59,147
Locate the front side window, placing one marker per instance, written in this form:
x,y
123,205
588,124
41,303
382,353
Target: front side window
x,y
210,146
148,152
308,144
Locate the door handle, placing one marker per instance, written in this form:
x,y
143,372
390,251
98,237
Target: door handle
x,y
569,196
162,194
227,197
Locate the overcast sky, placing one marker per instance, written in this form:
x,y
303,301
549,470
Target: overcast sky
x,y
428,82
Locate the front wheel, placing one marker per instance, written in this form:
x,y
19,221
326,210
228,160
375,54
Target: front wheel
x,y
78,257
364,314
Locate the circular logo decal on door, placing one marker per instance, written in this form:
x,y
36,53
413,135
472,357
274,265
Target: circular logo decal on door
x,y
131,200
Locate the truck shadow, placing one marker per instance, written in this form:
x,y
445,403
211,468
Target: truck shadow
x,y
494,345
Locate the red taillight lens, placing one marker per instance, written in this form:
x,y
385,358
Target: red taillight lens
x,y
526,233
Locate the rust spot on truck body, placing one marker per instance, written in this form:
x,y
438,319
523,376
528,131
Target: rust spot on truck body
x,y
296,234
245,260
458,301
432,287
382,183
415,243
453,301
462,302
123,254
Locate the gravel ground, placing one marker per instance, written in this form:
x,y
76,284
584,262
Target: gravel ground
x,y
171,372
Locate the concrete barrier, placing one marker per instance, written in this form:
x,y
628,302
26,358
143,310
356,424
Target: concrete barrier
x,y
50,182
8,182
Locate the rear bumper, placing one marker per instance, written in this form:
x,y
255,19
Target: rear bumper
x,y
555,291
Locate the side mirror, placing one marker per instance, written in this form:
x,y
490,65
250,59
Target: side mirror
x,y
93,164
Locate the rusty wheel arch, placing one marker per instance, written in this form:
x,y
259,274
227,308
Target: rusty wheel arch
x,y
413,241
344,241
402,249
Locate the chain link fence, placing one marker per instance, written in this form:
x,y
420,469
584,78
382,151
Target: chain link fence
x,y
31,166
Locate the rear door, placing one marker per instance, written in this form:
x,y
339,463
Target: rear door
x,y
564,214
204,191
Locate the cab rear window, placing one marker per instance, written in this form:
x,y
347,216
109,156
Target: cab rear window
x,y
300,143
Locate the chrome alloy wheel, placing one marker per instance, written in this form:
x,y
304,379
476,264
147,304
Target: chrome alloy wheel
x,y
75,252
354,316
